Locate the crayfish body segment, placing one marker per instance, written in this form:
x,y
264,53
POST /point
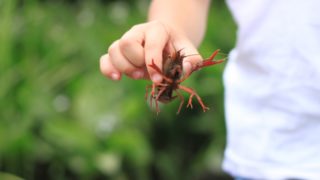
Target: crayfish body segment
x,y
172,75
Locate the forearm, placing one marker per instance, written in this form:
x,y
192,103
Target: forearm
x,y
188,17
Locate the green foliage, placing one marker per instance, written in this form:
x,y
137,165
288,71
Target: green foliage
x,y
61,119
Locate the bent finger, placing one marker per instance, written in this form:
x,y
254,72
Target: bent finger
x,y
131,46
108,69
119,61
156,39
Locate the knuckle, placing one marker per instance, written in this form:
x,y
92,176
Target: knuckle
x,y
160,26
136,27
113,47
155,23
125,42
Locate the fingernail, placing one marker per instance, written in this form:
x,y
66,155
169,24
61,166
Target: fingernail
x,y
137,74
115,76
156,78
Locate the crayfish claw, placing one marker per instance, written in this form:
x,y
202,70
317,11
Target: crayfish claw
x,y
205,108
190,105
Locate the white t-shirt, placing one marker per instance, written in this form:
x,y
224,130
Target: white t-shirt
x,y
272,83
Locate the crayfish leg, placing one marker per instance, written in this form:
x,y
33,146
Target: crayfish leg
x,y
160,92
147,91
151,93
193,93
153,98
181,100
157,90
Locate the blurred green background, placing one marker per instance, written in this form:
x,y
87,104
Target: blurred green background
x,y
61,119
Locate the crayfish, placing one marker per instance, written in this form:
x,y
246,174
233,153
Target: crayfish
x,y
172,74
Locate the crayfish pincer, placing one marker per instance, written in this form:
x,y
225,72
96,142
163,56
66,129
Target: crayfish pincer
x,y
172,74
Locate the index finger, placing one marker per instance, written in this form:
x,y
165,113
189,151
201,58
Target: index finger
x,y
156,39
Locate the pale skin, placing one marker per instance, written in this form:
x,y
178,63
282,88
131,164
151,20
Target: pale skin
x,y
172,25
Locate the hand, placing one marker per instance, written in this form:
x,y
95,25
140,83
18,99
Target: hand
x,y
136,49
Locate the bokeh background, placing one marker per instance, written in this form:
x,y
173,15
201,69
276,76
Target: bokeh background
x,y
61,119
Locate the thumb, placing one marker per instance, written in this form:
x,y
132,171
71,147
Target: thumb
x,y
191,56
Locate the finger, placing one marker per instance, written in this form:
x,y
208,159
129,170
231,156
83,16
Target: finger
x,y
108,69
145,73
169,49
131,46
156,39
121,63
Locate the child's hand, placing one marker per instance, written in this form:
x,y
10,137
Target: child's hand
x,y
135,50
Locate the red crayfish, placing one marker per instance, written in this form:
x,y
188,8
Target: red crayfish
x,y
172,74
